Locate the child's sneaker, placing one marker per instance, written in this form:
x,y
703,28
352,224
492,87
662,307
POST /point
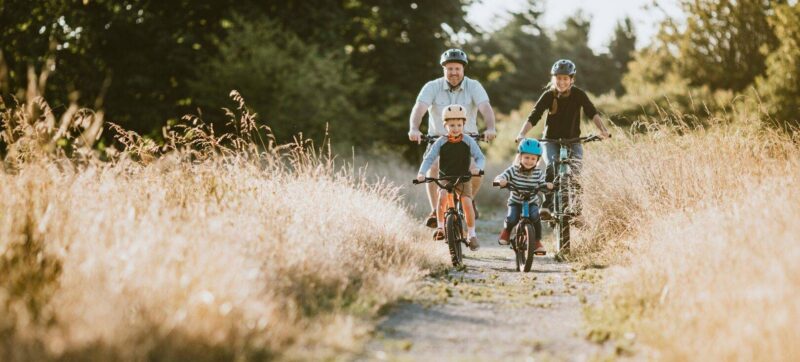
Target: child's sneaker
x,y
431,222
438,234
473,243
504,235
545,214
539,248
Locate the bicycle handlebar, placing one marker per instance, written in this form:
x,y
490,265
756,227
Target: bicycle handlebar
x,y
446,178
432,139
519,189
569,141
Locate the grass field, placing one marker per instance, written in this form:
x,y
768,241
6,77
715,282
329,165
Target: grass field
x,y
209,248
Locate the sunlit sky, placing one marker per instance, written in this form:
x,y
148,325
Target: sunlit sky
x,y
604,14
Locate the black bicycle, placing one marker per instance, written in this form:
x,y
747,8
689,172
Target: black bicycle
x,y
454,221
523,239
566,195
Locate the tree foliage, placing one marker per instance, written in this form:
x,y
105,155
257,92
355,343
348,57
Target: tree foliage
x,y
780,86
725,42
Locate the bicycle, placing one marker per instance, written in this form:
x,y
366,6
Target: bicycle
x,y
454,221
523,240
565,196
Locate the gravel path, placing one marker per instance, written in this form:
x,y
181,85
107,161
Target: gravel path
x,y
489,311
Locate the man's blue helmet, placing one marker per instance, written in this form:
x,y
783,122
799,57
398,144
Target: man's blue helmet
x,y
563,67
530,145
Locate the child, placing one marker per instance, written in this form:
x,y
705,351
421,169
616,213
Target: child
x,y
455,152
524,174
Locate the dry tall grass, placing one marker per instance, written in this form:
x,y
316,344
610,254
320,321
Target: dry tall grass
x,y
208,248
703,226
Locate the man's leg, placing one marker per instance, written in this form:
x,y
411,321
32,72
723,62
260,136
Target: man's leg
x,y
433,195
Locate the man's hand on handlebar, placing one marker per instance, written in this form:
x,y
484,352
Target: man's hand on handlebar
x,y
475,171
415,136
489,134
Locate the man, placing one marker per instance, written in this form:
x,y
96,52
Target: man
x,y
452,88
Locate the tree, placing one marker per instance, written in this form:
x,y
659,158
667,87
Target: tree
x,y
724,43
515,59
780,86
294,86
621,49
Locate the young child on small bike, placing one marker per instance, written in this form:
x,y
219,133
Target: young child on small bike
x,y
456,152
525,173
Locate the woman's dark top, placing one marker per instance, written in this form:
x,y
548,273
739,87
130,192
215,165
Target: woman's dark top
x,y
564,113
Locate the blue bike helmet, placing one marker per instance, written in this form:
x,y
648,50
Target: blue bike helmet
x,y
530,145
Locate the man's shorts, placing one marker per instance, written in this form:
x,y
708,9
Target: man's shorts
x,y
464,188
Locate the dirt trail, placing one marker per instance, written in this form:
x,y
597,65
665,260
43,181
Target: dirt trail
x,y
491,312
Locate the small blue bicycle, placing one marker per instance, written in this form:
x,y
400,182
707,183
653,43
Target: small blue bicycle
x,y
523,238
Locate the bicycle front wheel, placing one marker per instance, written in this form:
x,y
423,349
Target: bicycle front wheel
x,y
454,236
530,236
520,244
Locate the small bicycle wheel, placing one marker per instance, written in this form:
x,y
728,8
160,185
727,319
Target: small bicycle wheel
x,y
530,236
452,230
520,244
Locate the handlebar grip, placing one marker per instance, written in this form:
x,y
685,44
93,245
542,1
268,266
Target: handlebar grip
x,y
415,182
481,173
495,184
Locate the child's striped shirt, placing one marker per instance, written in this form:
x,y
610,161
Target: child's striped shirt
x,y
525,180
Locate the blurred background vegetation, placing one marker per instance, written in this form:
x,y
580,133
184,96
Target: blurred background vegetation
x,y
351,69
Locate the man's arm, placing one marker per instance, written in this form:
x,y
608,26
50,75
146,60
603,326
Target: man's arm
x,y
488,116
414,121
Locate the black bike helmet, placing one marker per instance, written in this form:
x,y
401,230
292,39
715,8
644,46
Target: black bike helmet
x,y
563,67
453,55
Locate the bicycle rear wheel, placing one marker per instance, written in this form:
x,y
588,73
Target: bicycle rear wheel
x,y
562,215
453,234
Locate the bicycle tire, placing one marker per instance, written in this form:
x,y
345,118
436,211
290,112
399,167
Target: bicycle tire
x,y
562,217
519,248
452,232
530,236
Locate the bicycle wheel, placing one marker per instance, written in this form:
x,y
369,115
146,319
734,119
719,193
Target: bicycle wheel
x,y
452,230
519,247
530,236
561,229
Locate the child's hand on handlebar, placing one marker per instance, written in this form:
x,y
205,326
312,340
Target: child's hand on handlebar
x,y
420,177
501,182
549,185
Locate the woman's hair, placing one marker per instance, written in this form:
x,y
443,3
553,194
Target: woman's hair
x,y
551,87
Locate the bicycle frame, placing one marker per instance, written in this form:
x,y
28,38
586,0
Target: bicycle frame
x,y
564,203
